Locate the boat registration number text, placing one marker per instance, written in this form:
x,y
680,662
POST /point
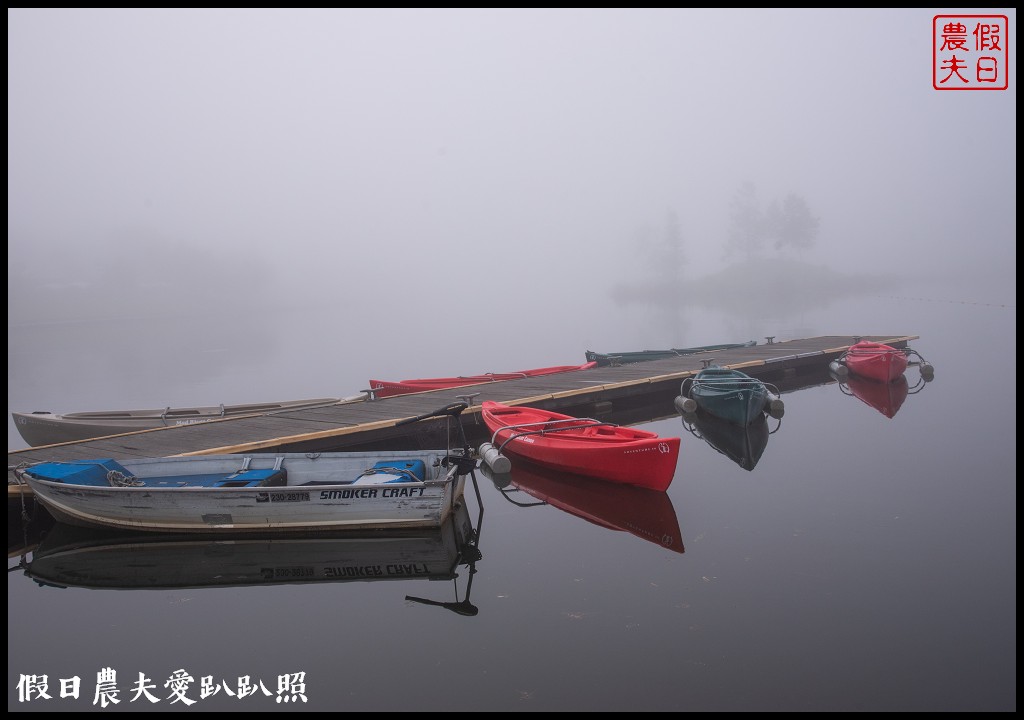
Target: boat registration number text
x,y
282,497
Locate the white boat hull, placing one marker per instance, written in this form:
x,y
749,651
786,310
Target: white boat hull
x,y
332,503
47,428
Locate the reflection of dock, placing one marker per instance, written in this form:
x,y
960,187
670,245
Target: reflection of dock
x,y
371,424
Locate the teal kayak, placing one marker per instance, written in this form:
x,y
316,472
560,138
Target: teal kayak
x,y
728,394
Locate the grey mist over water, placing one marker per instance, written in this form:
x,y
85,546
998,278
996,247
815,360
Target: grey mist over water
x,y
227,206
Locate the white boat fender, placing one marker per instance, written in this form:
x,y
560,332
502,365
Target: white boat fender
x,y
685,405
838,369
775,406
494,459
501,480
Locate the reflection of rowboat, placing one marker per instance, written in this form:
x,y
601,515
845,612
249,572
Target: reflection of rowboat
x,y
743,444
635,356
647,514
27,523
71,556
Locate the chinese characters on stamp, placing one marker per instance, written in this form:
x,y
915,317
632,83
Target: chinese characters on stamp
x,y
970,52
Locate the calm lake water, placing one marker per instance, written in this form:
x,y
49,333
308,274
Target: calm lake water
x,y
866,563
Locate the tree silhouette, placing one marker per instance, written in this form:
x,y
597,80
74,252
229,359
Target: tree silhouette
x,y
675,254
795,226
787,225
746,222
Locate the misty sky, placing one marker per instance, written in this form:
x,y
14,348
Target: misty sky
x,y
210,206
168,149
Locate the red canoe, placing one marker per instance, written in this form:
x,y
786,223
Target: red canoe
x,y
875,361
645,513
384,388
582,445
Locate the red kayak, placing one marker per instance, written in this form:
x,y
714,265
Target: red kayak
x,y
384,388
875,361
582,445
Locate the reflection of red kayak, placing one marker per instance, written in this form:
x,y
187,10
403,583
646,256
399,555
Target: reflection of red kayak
x,y
885,397
384,388
583,445
875,361
648,514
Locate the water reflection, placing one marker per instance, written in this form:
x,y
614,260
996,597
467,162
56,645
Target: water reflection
x,y
27,524
645,513
885,397
69,556
743,444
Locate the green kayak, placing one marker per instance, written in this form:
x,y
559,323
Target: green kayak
x,y
728,394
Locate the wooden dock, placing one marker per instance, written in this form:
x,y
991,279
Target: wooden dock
x,y
372,424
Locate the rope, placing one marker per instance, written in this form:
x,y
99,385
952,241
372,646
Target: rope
x,y
18,471
26,519
118,479
391,471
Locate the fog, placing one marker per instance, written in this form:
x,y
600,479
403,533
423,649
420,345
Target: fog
x,y
407,184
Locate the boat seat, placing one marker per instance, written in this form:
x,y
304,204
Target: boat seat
x,y
248,477
267,477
